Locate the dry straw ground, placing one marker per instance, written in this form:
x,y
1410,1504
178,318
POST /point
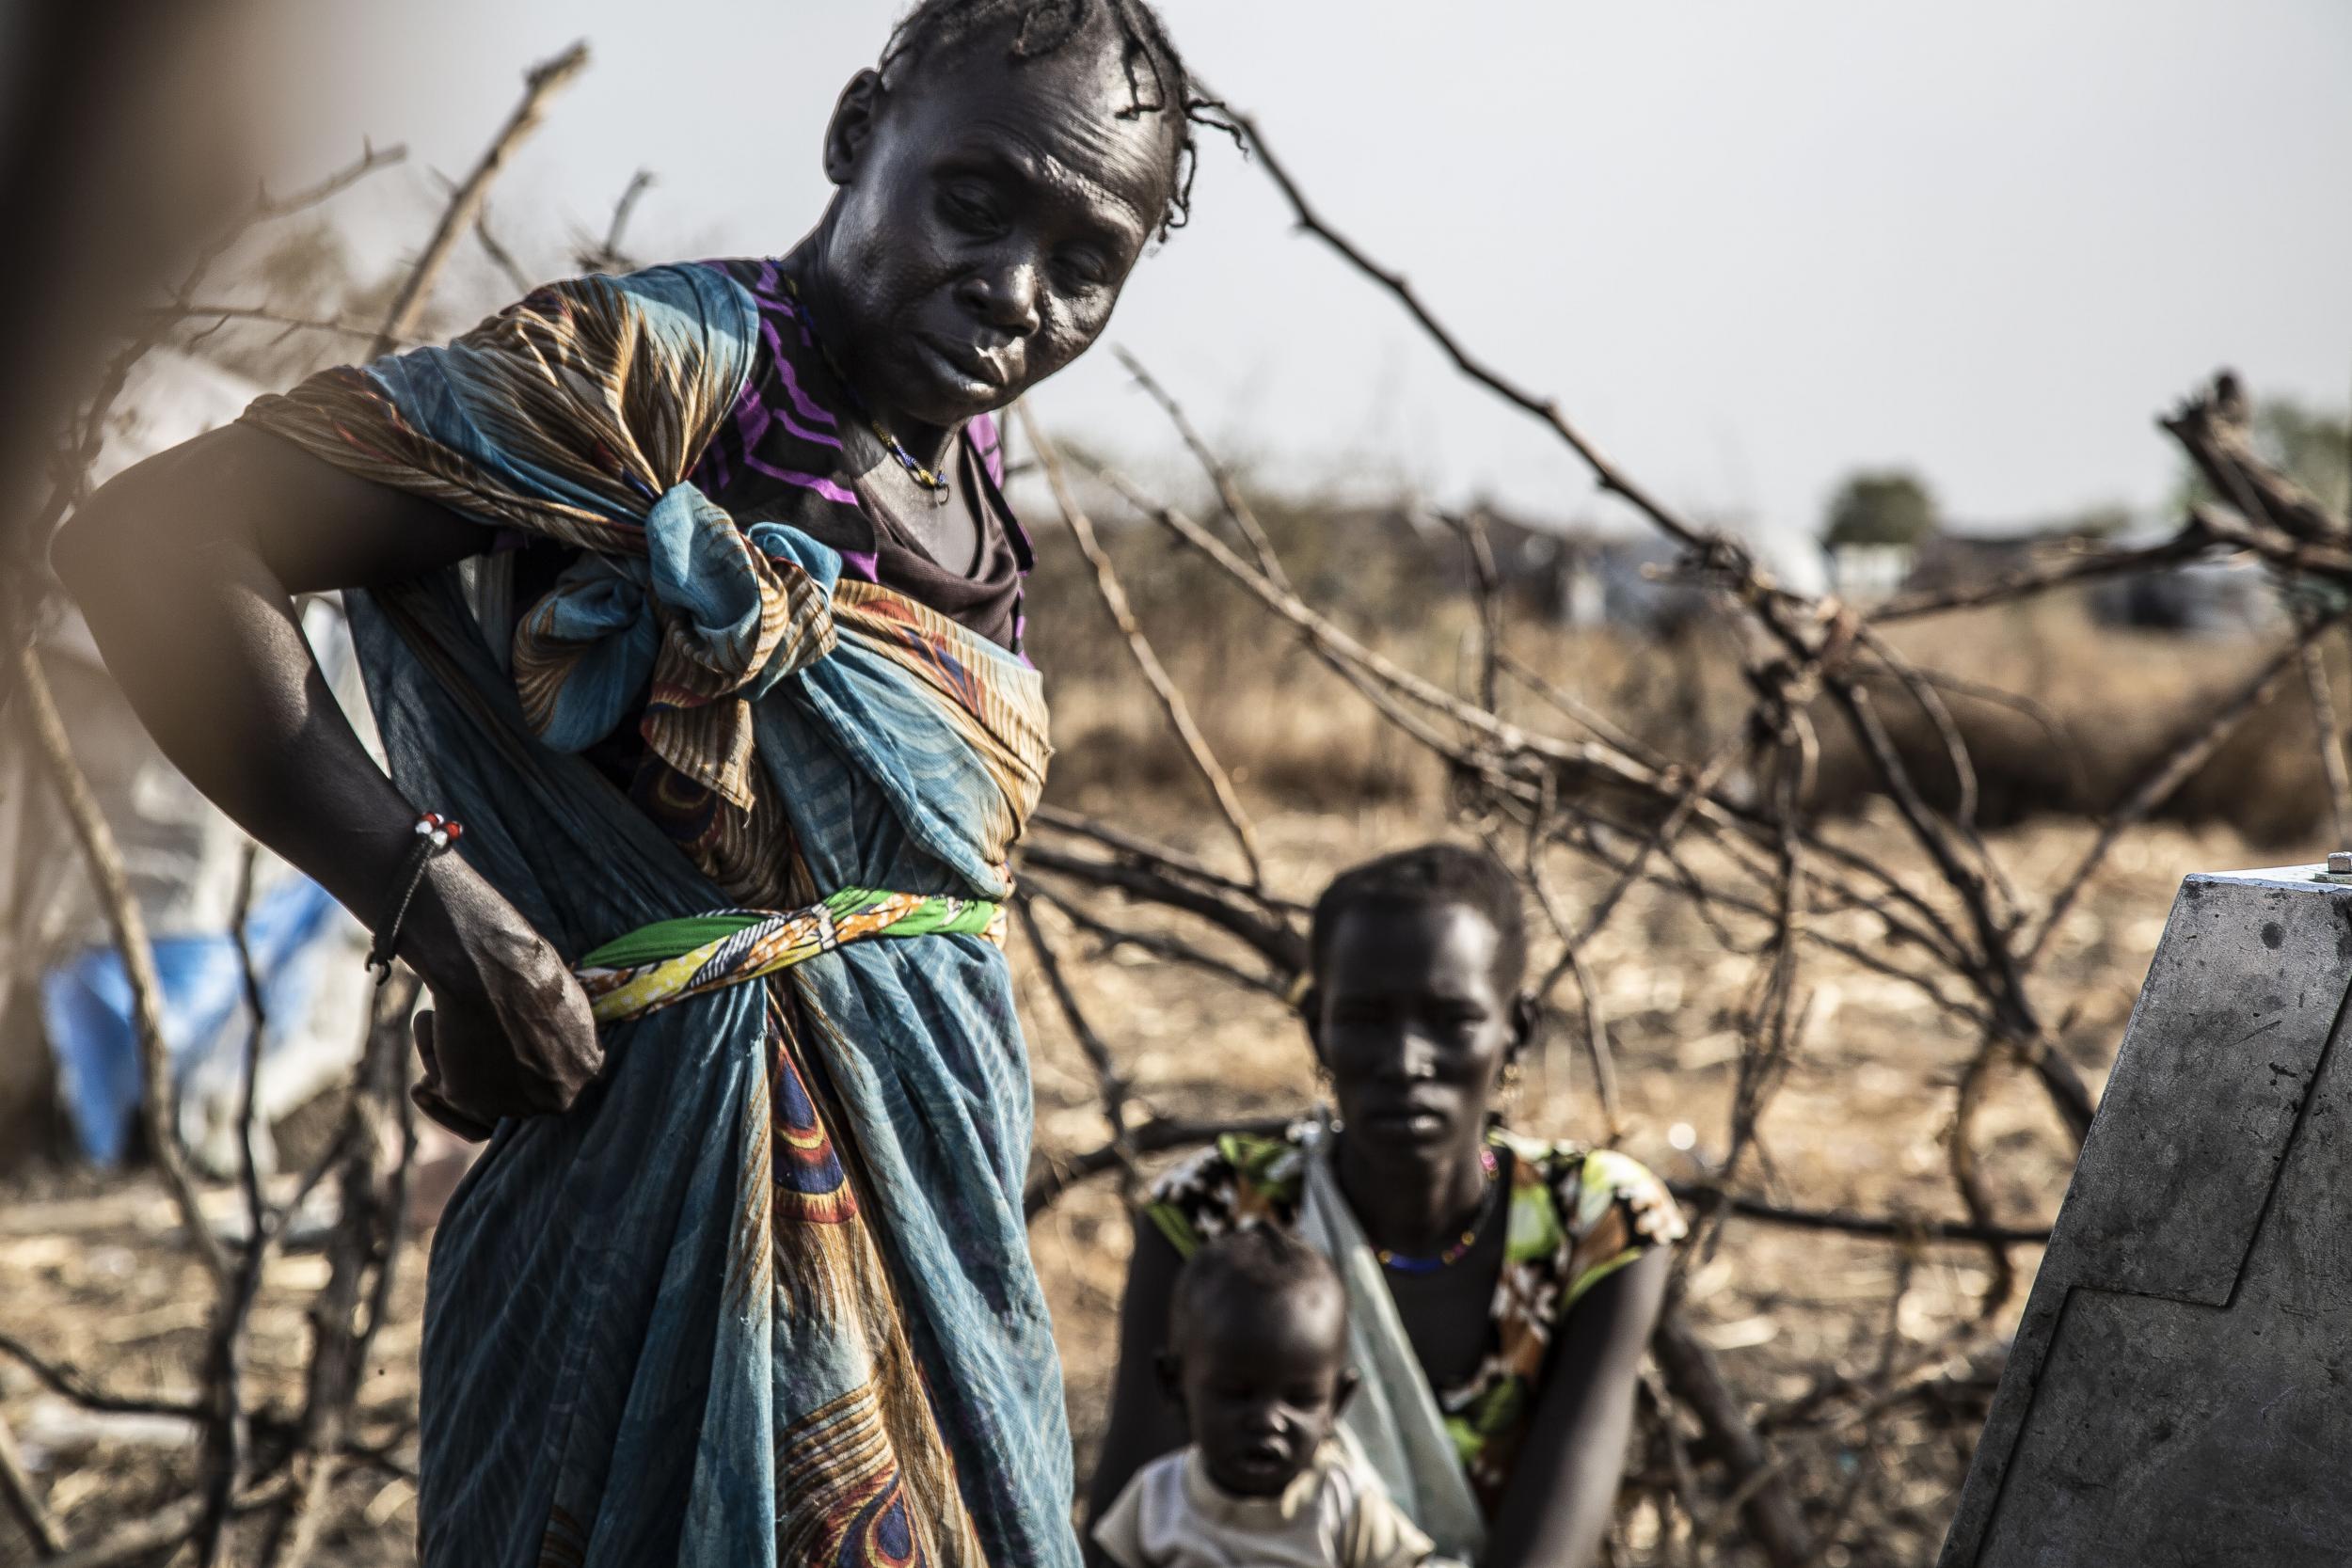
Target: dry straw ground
x,y
89,1273
88,1268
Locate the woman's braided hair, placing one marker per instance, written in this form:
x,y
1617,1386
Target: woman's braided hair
x,y
1157,82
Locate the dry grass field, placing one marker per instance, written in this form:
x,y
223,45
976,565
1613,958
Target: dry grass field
x,y
87,1272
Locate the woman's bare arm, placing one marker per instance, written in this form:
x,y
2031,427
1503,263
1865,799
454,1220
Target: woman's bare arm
x,y
185,567
1563,1488
1145,1423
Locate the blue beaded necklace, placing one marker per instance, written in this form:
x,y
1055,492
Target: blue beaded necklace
x,y
1399,1262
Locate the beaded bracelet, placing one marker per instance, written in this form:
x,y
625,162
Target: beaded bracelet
x,y
435,833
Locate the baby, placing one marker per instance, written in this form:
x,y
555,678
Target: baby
x,y
1257,1359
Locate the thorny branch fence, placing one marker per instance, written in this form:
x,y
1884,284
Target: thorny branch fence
x,y
1949,920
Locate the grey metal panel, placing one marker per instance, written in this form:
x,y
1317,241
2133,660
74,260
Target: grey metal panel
x,y
2177,1392
2214,1064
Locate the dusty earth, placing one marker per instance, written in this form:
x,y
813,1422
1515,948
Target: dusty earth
x,y
89,1274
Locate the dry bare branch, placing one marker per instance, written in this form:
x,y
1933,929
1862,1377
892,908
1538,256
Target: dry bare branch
x,y
2174,768
366,1239
518,276
1111,939
1236,506
606,255
1114,596
208,310
16,1489
1694,1379
2087,565
544,82
226,1434
2330,738
1111,1082
158,1097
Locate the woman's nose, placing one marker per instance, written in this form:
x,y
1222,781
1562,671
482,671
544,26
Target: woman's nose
x,y
1004,296
1416,1056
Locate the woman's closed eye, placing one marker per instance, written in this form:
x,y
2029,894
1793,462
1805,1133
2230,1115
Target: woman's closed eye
x,y
1082,270
971,210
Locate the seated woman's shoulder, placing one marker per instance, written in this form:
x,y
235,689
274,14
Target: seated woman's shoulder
x,y
1241,1179
1589,1184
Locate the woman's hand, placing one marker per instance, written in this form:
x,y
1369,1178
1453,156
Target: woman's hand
x,y
509,1033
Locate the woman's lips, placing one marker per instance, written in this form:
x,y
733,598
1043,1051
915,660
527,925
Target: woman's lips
x,y
1418,1121
973,369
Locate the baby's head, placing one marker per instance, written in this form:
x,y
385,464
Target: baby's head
x,y
998,173
1257,1357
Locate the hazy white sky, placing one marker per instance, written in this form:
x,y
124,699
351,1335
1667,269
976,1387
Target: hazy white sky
x,y
1750,244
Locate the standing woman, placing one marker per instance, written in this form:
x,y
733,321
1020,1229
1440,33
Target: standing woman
x,y
1500,1289
692,616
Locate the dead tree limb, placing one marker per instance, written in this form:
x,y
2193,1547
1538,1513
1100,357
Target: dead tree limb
x,y
1571,964
1236,506
1175,861
465,207
227,1434
1167,948
2026,583
164,1530
1545,409
159,1098
2174,768
1147,661
1692,1375
1053,1175
1268,933
1581,712
208,310
366,1239
1109,1081
69,1382
517,277
24,1500
2331,762
1707,1198
606,255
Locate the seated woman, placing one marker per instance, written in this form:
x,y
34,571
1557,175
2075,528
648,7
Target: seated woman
x,y
691,619
1500,1290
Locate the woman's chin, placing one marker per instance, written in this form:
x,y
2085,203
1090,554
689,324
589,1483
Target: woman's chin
x,y
947,394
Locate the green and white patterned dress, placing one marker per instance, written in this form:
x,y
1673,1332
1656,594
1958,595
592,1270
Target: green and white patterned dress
x,y
1575,1216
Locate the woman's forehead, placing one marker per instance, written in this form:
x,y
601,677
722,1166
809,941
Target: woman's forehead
x,y
1389,947
1067,121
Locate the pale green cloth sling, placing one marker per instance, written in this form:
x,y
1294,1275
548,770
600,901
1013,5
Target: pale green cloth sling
x,y
1394,1418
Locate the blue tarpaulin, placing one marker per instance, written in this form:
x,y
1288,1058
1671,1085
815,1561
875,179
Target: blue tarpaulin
x,y
85,1009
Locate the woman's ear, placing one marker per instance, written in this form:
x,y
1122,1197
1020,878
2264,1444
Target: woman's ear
x,y
854,114
1309,1004
1527,1022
